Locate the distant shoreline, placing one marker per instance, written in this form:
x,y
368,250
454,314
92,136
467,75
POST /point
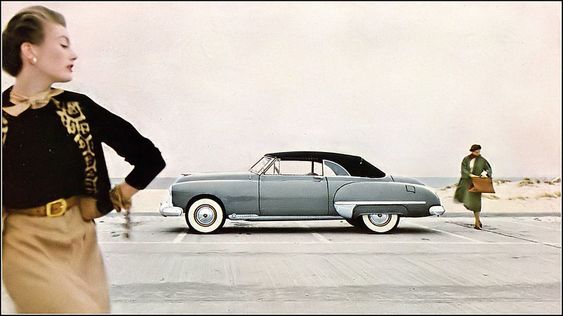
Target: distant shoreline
x,y
435,182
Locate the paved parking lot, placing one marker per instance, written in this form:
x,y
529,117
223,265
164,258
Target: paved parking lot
x,y
429,265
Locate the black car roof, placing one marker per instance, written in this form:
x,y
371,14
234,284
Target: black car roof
x,y
355,165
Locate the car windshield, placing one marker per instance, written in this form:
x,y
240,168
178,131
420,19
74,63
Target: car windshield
x,y
257,167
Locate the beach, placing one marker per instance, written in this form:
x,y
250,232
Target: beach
x,y
527,195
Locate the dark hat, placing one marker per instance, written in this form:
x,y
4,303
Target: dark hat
x,y
475,147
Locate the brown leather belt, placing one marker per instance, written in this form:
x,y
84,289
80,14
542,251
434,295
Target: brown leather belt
x,y
51,209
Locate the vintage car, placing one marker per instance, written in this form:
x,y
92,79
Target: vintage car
x,y
301,185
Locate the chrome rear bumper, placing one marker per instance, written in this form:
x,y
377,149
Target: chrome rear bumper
x,y
437,210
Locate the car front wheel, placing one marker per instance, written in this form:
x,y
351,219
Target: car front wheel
x,y
205,216
380,223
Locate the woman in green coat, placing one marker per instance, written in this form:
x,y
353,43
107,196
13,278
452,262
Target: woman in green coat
x,y
473,165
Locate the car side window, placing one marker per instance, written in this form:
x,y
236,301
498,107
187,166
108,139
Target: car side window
x,y
334,169
329,172
296,168
274,168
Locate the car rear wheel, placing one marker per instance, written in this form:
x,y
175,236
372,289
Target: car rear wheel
x,y
380,223
205,216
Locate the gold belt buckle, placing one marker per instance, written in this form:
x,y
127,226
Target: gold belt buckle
x,y
57,204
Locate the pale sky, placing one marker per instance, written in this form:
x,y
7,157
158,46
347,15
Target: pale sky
x,y
408,86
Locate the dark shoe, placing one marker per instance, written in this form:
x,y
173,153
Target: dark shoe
x,y
477,227
480,225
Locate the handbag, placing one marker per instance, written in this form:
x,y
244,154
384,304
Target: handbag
x,y
481,185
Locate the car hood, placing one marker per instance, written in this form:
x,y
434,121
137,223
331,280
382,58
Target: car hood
x,y
214,176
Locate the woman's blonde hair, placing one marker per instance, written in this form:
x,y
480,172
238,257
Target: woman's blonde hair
x,y
26,26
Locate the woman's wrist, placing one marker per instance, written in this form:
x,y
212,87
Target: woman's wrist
x,y
127,190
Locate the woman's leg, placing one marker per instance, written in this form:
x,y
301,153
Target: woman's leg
x,y
477,224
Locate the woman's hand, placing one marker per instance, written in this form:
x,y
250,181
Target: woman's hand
x,y
120,197
127,190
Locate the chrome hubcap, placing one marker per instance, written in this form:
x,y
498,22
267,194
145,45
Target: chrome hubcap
x,y
205,215
379,219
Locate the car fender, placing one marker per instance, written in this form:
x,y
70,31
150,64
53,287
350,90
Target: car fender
x,y
235,195
406,199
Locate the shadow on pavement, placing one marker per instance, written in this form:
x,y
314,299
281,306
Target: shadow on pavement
x,y
249,230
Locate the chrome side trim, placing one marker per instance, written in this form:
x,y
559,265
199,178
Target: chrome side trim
x,y
378,202
346,208
255,217
242,216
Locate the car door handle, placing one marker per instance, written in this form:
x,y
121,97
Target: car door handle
x,y
317,179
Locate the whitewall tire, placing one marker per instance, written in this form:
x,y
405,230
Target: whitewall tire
x,y
205,216
380,223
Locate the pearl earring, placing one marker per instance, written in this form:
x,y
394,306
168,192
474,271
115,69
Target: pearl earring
x,y
34,60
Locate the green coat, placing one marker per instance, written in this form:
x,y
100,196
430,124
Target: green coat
x,y
471,200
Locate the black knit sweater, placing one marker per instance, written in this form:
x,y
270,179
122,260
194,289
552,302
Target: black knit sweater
x,y
42,162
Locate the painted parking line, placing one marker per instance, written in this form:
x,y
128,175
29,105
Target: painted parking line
x,y
318,236
550,244
448,233
321,238
532,225
179,238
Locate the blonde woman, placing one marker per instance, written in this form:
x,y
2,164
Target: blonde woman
x,y
55,180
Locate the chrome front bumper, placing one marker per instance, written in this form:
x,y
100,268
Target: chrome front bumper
x,y
167,209
437,210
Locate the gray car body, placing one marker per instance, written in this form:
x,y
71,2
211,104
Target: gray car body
x,y
279,196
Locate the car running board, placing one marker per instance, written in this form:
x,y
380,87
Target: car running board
x,y
255,217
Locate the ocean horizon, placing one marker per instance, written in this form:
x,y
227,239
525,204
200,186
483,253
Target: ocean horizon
x,y
435,182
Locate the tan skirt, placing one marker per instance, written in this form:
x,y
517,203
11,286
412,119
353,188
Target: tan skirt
x,y
53,264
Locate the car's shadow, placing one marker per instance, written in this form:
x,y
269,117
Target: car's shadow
x,y
250,230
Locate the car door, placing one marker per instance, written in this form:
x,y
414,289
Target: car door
x,y
293,194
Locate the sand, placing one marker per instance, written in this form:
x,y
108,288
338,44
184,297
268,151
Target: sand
x,y
526,195
148,200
